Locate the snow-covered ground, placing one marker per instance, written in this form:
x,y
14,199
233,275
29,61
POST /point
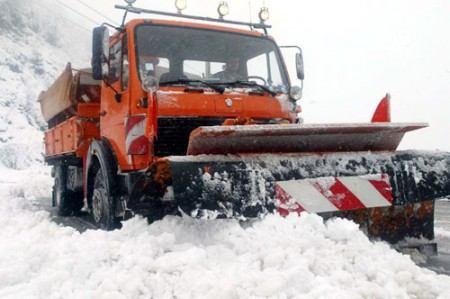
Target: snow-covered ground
x,y
442,232
297,257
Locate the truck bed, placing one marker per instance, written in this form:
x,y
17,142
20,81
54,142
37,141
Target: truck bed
x,y
71,107
71,136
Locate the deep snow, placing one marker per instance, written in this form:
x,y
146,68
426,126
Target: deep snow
x,y
297,257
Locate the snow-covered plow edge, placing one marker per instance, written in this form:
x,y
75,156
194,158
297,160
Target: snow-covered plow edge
x,y
245,186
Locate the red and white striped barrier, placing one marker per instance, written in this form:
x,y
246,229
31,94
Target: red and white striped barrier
x,y
333,194
136,142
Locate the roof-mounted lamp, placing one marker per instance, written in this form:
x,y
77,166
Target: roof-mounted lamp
x,y
264,14
180,5
223,9
130,2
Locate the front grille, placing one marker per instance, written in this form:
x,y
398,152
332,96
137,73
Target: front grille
x,y
173,133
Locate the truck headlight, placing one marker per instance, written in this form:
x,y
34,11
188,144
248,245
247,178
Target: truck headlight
x,y
296,93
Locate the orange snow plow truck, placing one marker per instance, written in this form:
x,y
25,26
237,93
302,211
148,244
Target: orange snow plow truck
x,y
188,117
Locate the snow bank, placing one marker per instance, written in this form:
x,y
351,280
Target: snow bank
x,y
297,257
441,232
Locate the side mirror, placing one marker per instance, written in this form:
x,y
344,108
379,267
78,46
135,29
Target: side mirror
x,y
100,53
299,66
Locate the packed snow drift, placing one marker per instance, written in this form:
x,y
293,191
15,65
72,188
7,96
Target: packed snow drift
x,y
278,257
294,257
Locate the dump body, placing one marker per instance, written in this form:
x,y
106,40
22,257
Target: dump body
x,y
58,98
71,106
71,136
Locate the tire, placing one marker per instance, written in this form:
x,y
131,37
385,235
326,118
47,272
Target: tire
x,y
103,203
67,202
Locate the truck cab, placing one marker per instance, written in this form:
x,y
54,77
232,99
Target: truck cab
x,y
166,78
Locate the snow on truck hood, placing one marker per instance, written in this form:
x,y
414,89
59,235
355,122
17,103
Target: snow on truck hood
x,y
186,258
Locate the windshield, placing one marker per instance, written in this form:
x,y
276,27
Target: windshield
x,y
175,54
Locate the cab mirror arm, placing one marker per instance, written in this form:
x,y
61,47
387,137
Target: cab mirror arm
x,y
298,61
117,95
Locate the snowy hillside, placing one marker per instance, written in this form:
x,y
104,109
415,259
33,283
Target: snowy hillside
x,y
298,257
34,49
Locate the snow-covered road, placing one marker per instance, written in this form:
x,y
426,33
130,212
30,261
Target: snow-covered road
x,y
441,263
297,257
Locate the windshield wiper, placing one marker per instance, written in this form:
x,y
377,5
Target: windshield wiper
x,y
251,84
219,89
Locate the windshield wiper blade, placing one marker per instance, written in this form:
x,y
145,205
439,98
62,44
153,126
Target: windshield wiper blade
x,y
251,84
219,89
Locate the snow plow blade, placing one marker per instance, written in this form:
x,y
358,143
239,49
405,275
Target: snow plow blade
x,y
402,187
220,140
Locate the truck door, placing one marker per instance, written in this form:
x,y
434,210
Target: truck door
x,y
115,103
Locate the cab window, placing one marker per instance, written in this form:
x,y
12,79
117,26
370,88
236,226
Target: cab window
x,y
125,65
115,57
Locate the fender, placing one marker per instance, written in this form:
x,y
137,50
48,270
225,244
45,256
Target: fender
x,y
102,151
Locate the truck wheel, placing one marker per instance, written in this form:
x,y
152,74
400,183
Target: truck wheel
x,y
103,203
67,202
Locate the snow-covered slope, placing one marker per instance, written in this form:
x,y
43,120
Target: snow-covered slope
x,y
297,257
35,44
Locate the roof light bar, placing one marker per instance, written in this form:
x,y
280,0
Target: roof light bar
x,y
137,10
